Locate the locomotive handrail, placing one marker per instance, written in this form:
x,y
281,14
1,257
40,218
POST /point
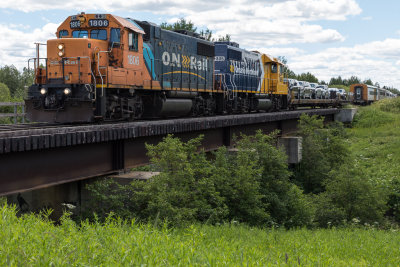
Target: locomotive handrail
x,y
35,60
98,69
234,92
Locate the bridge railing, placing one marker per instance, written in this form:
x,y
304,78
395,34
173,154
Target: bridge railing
x,y
16,112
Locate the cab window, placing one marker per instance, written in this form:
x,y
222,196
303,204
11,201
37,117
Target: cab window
x,y
274,68
115,35
133,41
62,33
98,34
80,34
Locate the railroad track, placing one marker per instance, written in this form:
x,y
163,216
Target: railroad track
x,y
14,127
32,129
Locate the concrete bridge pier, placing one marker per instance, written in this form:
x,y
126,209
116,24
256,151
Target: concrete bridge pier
x,y
345,115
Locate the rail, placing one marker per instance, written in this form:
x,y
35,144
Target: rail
x,y
15,114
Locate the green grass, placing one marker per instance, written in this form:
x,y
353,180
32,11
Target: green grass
x,y
375,140
30,240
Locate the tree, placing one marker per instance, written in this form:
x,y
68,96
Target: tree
x,y
181,24
308,77
393,90
15,80
226,38
251,186
368,81
337,81
5,97
288,72
4,93
350,195
351,80
283,201
206,34
10,76
324,149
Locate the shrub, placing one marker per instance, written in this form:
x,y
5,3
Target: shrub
x,y
394,201
389,105
107,196
237,178
369,117
251,185
4,93
350,195
323,149
182,193
5,97
284,201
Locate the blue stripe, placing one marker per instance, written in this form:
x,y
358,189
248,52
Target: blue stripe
x,y
149,59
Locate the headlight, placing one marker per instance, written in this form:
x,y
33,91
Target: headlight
x,y
67,91
60,54
43,91
60,47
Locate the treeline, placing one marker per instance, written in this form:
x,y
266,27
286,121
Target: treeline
x,y
183,24
252,185
13,87
14,83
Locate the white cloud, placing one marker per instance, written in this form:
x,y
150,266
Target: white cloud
x,y
276,22
378,60
16,46
280,51
253,23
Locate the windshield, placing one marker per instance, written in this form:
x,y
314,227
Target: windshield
x,y
274,68
115,35
98,34
80,34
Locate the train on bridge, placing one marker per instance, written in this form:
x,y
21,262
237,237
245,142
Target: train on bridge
x,y
105,67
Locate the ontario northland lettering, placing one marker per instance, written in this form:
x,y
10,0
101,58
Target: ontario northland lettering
x,y
178,60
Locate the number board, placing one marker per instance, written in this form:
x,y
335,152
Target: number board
x,y
75,24
98,23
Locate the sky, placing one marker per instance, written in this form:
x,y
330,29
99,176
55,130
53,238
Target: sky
x,y
325,37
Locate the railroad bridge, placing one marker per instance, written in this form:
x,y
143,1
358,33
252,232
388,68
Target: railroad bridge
x,y
34,156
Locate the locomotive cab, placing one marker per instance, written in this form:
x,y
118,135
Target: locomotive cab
x,y
273,81
92,52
